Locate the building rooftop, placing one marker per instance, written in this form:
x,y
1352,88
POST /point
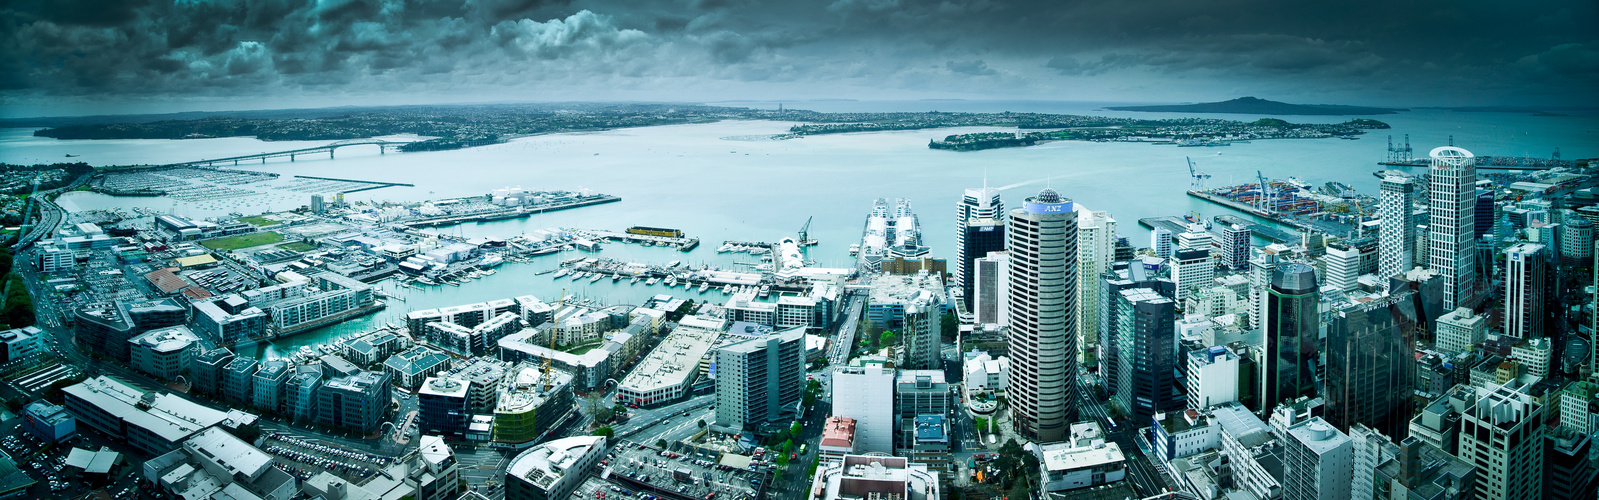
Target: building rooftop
x,y
416,360
904,289
170,417
547,463
839,432
1318,435
529,386
445,386
233,455
931,429
676,358
1085,448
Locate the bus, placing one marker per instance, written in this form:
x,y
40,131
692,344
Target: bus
x,y
802,449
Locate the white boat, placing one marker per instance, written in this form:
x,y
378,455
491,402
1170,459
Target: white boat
x,y
653,281
635,281
490,260
671,281
562,272
726,247
727,289
596,278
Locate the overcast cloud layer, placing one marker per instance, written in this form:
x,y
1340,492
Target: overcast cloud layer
x,y
79,56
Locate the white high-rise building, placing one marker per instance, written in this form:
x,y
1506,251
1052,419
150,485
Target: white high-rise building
x,y
1197,238
1459,330
990,287
1235,246
1192,269
1096,247
978,203
1526,275
1042,241
1371,448
1396,239
1318,461
867,395
1343,266
1502,434
1452,223
1576,239
1212,377
1160,242
1263,261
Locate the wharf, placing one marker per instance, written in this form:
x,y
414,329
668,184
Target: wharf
x,y
1177,225
682,243
516,213
1269,233
1311,225
373,184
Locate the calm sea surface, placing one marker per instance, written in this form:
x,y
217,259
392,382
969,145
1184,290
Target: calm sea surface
x,y
721,182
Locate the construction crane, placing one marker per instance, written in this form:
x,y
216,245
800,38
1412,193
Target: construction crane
x,y
1199,178
555,332
805,233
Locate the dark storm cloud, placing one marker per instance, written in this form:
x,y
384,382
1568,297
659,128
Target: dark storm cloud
x,y
1364,52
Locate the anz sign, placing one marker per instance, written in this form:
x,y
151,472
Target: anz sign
x,y
1048,208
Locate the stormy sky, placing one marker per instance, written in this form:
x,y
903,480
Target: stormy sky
x,y
66,57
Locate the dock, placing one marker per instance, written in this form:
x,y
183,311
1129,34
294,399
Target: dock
x,y
1176,225
513,213
1266,232
682,243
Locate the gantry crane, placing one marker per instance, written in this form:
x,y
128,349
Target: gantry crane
x,y
1199,177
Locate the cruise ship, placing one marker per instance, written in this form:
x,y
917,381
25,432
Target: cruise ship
x,y
874,238
905,231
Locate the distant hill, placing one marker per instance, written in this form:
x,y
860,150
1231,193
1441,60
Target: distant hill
x,y
1254,106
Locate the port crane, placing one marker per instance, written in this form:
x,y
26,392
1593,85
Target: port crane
x,y
1199,177
1265,192
805,233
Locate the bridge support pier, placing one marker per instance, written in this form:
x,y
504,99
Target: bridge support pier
x,y
291,158
330,154
235,162
263,160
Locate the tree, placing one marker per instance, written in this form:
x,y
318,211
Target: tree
x,y
949,327
604,415
702,423
794,430
605,431
887,339
661,443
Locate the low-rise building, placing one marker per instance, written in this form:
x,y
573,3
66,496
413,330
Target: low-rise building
x,y
984,372
20,343
356,403
838,438
667,373
860,476
48,422
530,403
300,395
410,367
436,472
214,464
153,423
238,380
163,353
552,470
1085,459
271,383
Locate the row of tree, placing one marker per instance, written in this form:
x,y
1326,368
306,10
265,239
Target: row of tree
x,y
18,311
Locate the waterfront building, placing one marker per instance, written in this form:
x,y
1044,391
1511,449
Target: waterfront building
x,y
759,380
865,394
374,347
333,297
861,476
1371,369
335,366
531,401
1396,236
1235,246
149,422
49,423
214,464
1526,289
442,406
1084,460
550,471
1192,269
271,380
1317,460
299,393
1147,343
1160,241
238,380
979,229
1042,309
1292,325
471,341
1451,228
409,368
229,319
668,371
1503,433
163,353
1459,330
354,403
992,283
1212,377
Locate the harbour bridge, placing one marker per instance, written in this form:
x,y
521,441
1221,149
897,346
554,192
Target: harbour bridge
x,y
383,147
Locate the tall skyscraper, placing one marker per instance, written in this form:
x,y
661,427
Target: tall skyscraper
x,y
759,379
1526,280
1318,461
1292,324
1396,240
923,324
1452,223
1160,242
1502,434
1262,262
1343,266
1148,348
1486,210
1371,370
1235,246
1110,334
979,229
1043,324
1096,246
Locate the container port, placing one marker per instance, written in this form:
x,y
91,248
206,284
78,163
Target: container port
x,y
1294,204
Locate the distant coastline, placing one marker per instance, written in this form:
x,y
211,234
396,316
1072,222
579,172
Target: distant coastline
x,y
1256,106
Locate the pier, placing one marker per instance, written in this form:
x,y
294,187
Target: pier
x,y
1269,233
682,243
373,184
517,213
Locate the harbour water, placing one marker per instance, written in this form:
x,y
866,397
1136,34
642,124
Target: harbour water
x,y
724,181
